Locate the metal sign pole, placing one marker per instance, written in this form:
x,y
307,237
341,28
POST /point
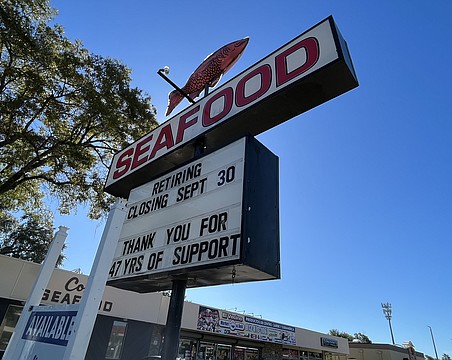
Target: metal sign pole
x,y
174,320
92,295
176,305
13,351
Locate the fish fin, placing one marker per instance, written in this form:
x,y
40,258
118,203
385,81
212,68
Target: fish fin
x,y
215,81
195,94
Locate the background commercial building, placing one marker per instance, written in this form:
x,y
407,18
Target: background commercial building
x,y
130,325
382,352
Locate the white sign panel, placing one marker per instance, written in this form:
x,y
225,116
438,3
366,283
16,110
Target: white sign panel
x,y
187,218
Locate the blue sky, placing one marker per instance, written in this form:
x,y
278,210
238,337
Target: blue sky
x,y
365,179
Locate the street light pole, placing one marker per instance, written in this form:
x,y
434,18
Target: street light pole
x,y
433,341
387,310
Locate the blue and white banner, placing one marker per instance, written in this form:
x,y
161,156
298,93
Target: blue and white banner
x,y
230,323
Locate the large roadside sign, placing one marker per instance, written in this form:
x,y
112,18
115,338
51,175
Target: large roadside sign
x,y
306,72
203,220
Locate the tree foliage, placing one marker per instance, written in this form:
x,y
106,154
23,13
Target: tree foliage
x,y
27,238
342,334
360,337
445,357
63,113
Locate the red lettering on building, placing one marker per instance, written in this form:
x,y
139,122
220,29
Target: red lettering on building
x,y
123,163
311,48
140,150
228,95
165,139
184,125
265,74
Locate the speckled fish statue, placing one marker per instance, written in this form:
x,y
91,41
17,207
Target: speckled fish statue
x,y
209,72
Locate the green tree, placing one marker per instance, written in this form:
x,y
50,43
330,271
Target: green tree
x,y
445,357
27,238
63,113
428,357
362,338
335,332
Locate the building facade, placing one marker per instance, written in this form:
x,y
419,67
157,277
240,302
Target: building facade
x,y
130,326
360,351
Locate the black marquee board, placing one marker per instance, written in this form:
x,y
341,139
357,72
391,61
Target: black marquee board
x,y
259,257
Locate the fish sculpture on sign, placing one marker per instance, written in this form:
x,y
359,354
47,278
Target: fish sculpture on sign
x,y
209,73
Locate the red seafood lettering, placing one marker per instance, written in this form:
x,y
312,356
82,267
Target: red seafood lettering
x,y
311,48
165,139
228,96
140,150
123,163
184,125
265,74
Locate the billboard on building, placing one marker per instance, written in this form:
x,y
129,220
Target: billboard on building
x,y
244,326
203,219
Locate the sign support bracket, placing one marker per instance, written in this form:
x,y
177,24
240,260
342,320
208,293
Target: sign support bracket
x,y
169,81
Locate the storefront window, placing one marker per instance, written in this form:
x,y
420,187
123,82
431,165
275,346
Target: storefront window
x,y
206,351
315,356
194,350
8,324
290,354
239,353
117,336
223,352
243,353
251,354
310,355
187,349
155,346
